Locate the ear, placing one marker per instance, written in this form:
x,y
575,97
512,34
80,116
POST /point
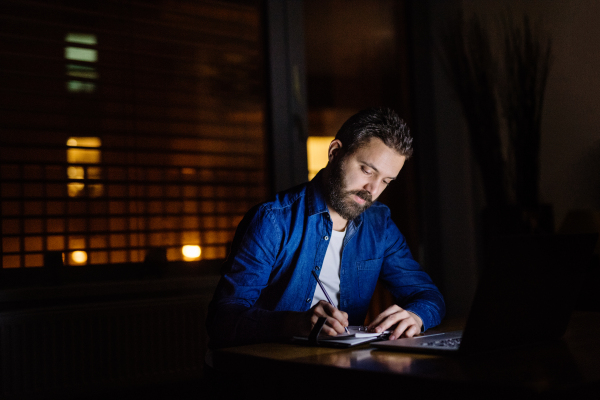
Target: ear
x,y
335,148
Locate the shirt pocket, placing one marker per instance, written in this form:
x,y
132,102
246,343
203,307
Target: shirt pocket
x,y
368,272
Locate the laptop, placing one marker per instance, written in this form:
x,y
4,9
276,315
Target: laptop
x,y
525,295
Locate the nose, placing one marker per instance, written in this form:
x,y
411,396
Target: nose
x,y
373,187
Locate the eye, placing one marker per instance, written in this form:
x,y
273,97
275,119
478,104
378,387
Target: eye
x,y
366,171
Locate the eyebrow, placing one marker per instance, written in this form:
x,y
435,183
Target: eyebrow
x,y
368,164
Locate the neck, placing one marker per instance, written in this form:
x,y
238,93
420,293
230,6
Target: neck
x,y
339,223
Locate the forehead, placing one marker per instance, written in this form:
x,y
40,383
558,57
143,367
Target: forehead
x,y
376,154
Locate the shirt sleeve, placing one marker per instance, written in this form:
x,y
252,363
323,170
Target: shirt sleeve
x,y
412,287
232,317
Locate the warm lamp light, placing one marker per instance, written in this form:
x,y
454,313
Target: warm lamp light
x,y
79,257
317,149
191,252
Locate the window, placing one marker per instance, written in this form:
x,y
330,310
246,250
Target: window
x,y
127,126
81,55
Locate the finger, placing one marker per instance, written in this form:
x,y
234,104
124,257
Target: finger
x,y
402,327
381,317
411,331
331,327
334,312
336,319
391,320
418,320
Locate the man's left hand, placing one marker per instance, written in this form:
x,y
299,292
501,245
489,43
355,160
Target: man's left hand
x,y
408,323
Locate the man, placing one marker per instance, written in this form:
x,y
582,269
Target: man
x,y
332,226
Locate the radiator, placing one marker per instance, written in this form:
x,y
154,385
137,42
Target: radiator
x,y
77,349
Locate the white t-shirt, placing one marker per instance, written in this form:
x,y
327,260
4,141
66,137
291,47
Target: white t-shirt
x,y
330,270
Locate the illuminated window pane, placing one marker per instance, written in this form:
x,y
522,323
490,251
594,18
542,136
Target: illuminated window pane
x,y
117,224
33,243
11,261
81,38
11,208
76,242
81,150
81,71
77,207
98,207
155,239
11,190
81,87
56,225
136,240
118,256
33,208
34,260
117,190
94,172
33,226
190,223
55,242
95,189
156,223
170,238
190,207
136,256
100,257
190,237
98,242
174,254
84,74
81,54
99,224
55,190
77,225
116,207
11,245
118,241
155,207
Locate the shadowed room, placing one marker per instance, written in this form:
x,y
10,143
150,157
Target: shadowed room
x,y
135,135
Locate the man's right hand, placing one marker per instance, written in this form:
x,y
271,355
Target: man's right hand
x,y
336,320
302,323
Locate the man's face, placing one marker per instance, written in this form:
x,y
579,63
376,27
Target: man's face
x,y
356,180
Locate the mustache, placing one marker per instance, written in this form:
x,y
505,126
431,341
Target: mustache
x,y
363,194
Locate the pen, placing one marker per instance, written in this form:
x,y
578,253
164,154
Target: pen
x,y
326,294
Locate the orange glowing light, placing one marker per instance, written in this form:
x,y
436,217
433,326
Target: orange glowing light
x,y
79,257
191,252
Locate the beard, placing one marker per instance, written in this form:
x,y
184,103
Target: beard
x,y
341,199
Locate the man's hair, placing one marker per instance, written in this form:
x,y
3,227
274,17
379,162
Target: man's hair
x,y
381,123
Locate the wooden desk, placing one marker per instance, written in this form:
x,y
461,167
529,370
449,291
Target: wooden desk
x,y
569,368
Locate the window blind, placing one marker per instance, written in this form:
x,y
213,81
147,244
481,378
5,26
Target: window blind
x,y
128,125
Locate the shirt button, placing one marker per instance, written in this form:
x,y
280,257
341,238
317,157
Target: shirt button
x,y
317,268
325,237
308,300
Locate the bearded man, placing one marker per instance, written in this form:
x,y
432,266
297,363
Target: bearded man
x,y
333,227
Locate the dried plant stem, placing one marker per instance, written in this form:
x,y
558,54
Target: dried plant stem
x,y
468,60
527,63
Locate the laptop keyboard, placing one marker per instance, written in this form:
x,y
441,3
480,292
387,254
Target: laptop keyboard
x,y
443,343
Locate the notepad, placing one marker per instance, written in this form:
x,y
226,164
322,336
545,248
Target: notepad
x,y
357,332
356,335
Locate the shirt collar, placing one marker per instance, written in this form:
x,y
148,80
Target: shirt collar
x,y
315,196
317,203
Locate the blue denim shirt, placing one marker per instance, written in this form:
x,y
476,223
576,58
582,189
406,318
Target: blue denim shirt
x,y
279,243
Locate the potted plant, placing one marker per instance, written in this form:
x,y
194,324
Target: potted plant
x,y
508,89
